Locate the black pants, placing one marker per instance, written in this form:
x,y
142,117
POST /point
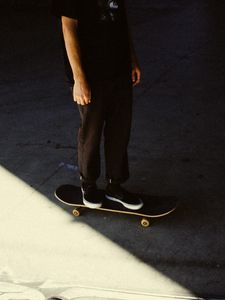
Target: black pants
x,y
110,113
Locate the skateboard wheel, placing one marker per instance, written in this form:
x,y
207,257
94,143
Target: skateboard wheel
x,y
76,212
145,223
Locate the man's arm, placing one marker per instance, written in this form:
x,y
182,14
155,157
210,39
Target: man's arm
x,y
136,70
81,90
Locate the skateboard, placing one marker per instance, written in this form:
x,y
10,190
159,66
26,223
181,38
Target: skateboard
x,y
154,206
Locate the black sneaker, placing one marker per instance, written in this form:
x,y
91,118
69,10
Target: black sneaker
x,y
116,193
90,195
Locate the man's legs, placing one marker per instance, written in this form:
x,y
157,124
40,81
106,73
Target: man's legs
x,y
89,136
89,139
111,108
117,134
117,130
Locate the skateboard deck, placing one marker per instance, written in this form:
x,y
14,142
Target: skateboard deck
x,y
154,206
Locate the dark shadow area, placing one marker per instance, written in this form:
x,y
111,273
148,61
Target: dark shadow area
x,y
178,138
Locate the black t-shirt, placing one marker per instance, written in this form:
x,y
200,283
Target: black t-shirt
x,y
103,36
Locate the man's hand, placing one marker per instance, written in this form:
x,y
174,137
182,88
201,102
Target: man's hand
x,y
81,89
81,92
136,72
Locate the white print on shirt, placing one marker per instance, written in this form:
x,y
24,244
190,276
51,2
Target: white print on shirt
x,y
113,4
108,10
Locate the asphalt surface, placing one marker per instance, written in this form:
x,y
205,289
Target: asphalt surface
x,y
176,149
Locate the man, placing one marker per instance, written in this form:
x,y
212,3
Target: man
x,y
101,67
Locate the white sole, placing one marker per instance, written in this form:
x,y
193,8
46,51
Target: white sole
x,y
129,206
90,204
